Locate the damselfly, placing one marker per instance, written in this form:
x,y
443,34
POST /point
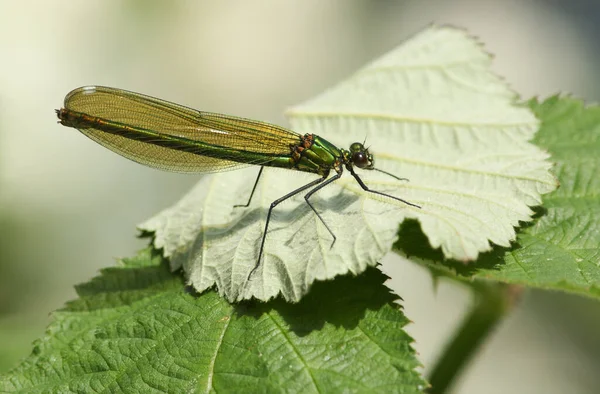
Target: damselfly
x,y
172,137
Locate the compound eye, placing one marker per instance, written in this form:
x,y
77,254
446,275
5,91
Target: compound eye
x,y
360,159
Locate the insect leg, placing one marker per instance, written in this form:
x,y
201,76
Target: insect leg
x,y
273,205
366,188
313,191
253,190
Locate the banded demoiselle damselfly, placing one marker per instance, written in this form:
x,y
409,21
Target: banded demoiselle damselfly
x,y
171,137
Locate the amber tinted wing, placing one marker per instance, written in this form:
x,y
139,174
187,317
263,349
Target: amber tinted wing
x,y
181,124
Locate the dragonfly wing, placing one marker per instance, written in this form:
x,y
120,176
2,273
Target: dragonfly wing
x,y
189,133
159,157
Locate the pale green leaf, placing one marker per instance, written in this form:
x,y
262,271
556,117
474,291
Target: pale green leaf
x,y
431,111
561,249
135,330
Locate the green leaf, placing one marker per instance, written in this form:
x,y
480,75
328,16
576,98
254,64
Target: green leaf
x,y
561,250
135,329
431,111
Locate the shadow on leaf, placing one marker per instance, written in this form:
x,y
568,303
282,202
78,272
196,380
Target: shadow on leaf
x,y
341,302
413,243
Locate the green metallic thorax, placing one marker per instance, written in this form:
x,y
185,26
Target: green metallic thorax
x,y
313,154
321,157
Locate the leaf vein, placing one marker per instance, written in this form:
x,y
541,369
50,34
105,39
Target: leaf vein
x,y
285,335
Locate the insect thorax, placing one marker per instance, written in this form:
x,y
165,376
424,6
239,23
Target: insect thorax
x,y
315,154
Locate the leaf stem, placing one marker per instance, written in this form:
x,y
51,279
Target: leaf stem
x,y
492,303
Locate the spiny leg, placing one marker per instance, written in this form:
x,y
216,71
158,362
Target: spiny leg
x,y
253,190
273,205
366,188
313,191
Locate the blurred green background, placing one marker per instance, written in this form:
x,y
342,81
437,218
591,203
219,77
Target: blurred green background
x,y
69,207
